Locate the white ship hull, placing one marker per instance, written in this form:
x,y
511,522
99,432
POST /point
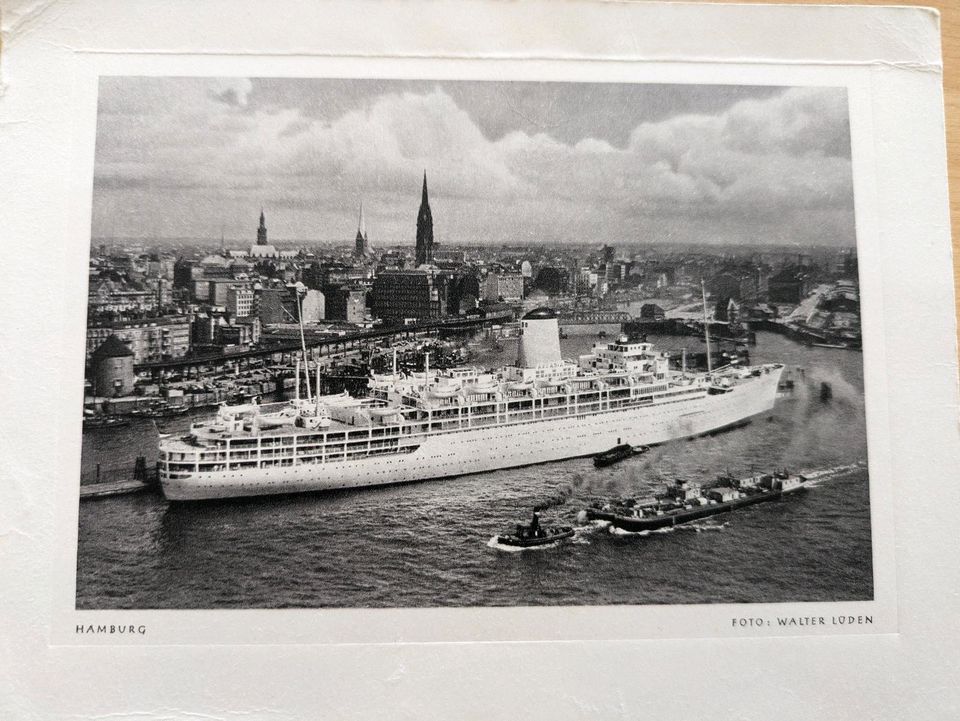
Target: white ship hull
x,y
492,448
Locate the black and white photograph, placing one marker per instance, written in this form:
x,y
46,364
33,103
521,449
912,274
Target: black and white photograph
x,y
388,343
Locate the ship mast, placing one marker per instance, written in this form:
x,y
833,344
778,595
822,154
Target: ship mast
x,y
706,324
318,388
296,387
426,372
303,341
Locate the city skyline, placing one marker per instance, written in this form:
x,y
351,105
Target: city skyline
x,y
508,162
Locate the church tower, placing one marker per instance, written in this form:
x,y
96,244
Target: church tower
x,y
424,228
262,230
361,248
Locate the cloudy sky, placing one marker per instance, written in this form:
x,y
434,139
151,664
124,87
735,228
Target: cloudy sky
x,y
507,162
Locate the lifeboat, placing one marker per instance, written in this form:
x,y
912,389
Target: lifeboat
x,y
226,411
331,398
384,378
444,391
341,400
384,412
520,386
275,420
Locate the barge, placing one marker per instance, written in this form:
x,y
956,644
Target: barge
x,y
685,502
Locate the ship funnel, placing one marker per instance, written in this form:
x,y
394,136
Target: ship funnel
x,y
539,339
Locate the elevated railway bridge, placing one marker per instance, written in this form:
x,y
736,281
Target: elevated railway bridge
x,y
284,351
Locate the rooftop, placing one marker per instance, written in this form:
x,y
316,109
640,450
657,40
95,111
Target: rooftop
x,y
542,313
112,347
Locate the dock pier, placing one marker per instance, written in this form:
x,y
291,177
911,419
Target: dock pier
x,y
143,480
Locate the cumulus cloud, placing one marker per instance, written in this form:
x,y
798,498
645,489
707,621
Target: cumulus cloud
x,y
776,167
232,91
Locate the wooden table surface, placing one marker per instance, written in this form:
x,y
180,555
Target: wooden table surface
x,y
950,33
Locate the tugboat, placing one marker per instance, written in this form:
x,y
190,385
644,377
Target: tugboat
x,y
535,535
685,502
617,454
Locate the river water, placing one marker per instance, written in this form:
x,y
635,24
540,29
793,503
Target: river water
x,y
429,544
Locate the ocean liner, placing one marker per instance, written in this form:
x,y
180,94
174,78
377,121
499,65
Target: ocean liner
x,y
445,423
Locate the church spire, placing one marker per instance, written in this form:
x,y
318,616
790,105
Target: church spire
x,y
361,248
424,228
262,230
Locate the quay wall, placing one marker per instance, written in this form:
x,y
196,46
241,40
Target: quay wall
x,y
675,326
801,335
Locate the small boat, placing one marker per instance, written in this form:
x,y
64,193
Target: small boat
x,y
167,411
160,410
534,534
276,420
105,421
332,398
617,454
385,411
445,391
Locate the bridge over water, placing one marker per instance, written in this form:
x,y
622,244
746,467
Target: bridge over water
x,y
285,350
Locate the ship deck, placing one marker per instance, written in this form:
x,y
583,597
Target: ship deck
x,y
183,444
180,444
